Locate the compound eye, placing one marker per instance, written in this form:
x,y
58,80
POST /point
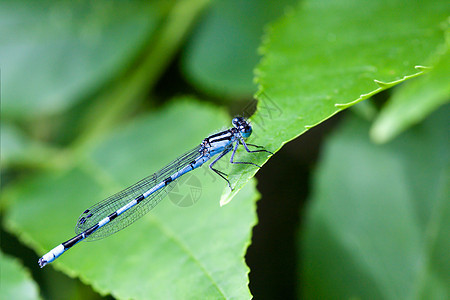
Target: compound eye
x,y
236,122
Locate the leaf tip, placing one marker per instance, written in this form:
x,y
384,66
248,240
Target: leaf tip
x,y
227,196
224,200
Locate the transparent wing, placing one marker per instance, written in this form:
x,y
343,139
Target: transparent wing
x,y
99,211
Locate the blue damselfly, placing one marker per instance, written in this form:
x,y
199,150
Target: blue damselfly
x,y
121,209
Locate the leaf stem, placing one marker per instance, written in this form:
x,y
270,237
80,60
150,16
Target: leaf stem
x,y
114,104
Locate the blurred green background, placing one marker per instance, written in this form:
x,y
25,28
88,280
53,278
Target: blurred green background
x,y
97,95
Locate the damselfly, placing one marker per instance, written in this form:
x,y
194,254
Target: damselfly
x,y
121,209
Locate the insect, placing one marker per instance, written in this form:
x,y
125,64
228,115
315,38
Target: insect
x,y
123,208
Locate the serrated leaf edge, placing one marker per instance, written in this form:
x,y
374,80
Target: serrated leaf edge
x,y
383,86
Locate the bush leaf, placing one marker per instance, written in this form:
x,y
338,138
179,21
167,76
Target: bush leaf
x,y
55,53
378,222
15,280
328,55
415,100
221,54
177,251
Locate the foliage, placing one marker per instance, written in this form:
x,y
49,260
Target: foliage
x,y
340,57
16,281
379,223
91,103
414,102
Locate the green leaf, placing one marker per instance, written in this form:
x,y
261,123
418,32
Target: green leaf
x,y
54,53
378,222
222,53
328,55
177,251
18,148
15,280
414,101
15,145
